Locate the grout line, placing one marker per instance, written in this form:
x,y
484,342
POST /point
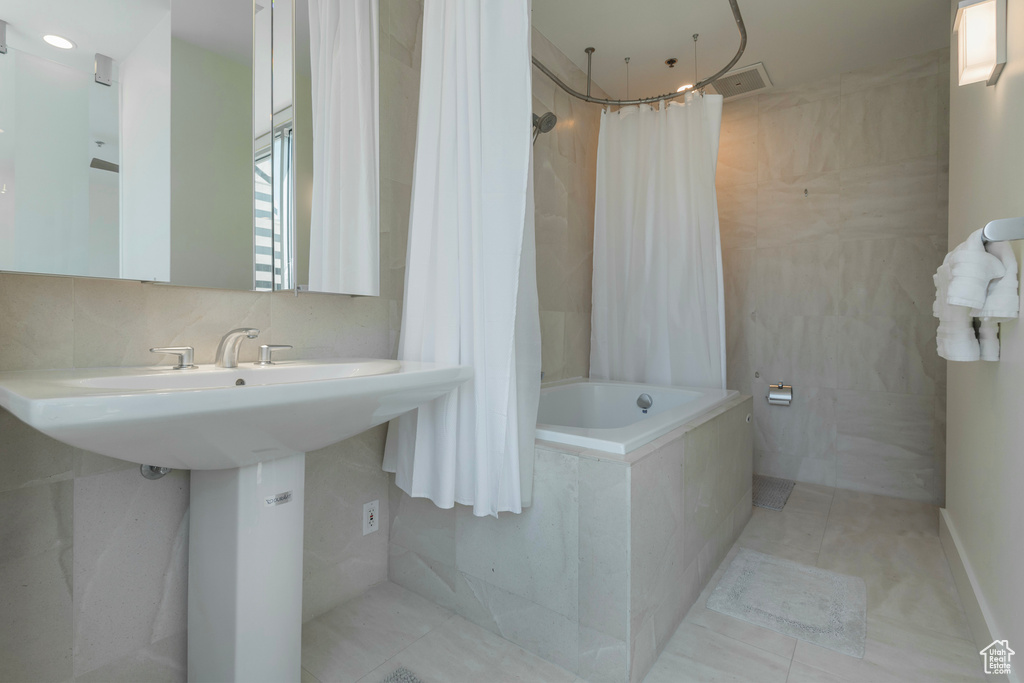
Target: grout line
x,y
792,657
825,531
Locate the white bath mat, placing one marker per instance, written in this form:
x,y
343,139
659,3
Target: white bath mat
x,y
808,603
771,493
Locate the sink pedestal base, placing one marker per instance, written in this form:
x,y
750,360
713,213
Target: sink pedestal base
x,y
245,572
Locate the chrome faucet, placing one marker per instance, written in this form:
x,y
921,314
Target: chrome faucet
x,y
227,352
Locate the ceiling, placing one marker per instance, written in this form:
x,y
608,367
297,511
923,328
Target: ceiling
x,y
798,41
110,27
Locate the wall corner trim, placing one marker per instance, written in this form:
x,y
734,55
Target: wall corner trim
x,y
979,616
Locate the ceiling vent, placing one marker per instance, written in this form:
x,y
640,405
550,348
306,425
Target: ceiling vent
x,y
741,82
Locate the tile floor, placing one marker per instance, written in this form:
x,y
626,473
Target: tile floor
x,y
917,630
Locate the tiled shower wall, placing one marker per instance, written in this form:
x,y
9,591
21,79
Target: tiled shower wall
x,y
832,200
565,178
94,557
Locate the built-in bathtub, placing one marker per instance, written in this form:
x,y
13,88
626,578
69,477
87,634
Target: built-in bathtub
x,y
607,416
631,515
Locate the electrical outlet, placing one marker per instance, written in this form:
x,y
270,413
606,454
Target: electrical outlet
x,y
370,517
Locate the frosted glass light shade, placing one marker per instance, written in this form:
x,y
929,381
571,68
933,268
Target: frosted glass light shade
x,y
980,28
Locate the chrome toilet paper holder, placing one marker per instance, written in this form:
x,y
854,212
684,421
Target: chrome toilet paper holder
x,y
780,394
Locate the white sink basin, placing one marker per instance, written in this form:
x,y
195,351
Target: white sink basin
x,y
218,418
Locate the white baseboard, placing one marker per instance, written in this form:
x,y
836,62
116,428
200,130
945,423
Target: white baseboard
x,y
979,616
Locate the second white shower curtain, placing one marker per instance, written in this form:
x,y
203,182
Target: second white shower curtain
x,y
658,310
470,289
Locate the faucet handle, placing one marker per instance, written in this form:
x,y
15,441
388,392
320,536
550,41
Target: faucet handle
x,y
185,355
267,349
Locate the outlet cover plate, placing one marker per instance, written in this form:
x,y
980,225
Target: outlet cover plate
x,y
371,517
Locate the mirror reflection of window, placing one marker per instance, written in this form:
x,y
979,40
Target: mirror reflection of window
x,y
274,217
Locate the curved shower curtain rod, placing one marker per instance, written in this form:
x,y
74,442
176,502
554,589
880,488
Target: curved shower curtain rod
x,y
668,96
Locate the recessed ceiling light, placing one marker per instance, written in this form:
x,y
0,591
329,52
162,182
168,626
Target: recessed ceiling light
x,y
684,87
58,41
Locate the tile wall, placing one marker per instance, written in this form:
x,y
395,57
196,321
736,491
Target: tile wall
x,y
94,557
565,179
832,201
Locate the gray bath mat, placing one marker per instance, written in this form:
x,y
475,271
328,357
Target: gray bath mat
x,y
808,603
771,493
402,675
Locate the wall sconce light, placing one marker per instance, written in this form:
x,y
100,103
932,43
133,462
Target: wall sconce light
x,y
980,29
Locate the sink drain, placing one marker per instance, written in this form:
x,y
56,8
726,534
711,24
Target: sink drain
x,y
239,382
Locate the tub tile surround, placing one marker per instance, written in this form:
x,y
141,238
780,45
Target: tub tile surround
x,y
598,573
565,182
831,291
93,577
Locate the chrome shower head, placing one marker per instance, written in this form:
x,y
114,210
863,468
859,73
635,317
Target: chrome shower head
x,y
545,123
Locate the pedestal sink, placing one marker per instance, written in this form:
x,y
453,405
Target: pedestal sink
x,y
244,432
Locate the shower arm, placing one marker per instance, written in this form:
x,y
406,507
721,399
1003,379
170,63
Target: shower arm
x,y
667,96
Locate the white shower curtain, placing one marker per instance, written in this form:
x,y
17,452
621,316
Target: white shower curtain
x,y
658,309
344,221
470,289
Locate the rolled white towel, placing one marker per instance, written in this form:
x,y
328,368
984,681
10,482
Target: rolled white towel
x,y
1002,301
988,339
971,269
955,339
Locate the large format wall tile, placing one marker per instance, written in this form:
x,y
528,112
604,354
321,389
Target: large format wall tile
x,y
798,140
840,282
604,532
799,94
888,276
799,279
896,71
433,580
534,555
740,312
299,321
890,123
897,200
797,211
131,564
35,575
162,662
552,345
889,354
885,445
564,168
38,322
737,216
797,350
36,615
29,457
117,322
737,147
535,627
806,427
339,562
